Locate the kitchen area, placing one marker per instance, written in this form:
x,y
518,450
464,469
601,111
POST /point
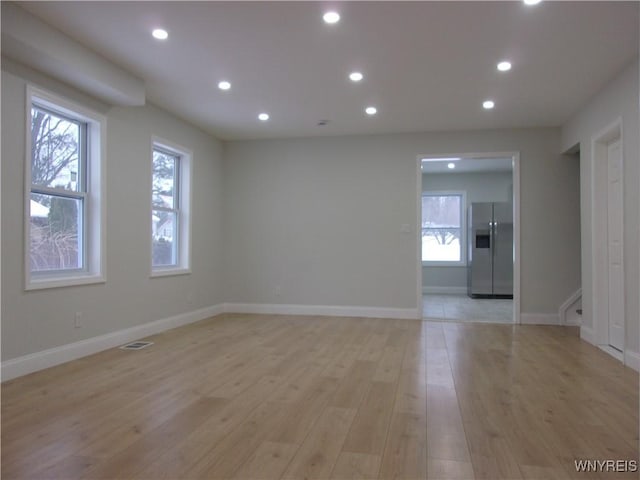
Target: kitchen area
x,y
467,239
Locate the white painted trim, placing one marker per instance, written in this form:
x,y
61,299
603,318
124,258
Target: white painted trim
x,y
185,202
445,290
539,319
516,220
617,354
516,238
95,204
33,362
564,308
599,285
169,272
586,334
324,310
419,237
632,360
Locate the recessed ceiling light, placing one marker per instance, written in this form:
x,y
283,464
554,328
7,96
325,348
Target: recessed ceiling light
x,y
224,85
371,110
451,166
263,117
160,34
331,17
355,76
488,104
504,66
531,2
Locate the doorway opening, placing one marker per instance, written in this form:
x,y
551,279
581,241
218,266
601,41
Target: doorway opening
x,y
468,264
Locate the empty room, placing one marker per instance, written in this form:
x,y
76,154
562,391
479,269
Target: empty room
x,y
320,240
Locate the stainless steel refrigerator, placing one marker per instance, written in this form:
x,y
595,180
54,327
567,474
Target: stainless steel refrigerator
x,y
490,250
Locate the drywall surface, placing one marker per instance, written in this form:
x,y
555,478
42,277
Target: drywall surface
x,y
478,187
617,100
319,221
33,321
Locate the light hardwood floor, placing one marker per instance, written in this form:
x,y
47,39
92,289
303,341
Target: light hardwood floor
x,y
262,397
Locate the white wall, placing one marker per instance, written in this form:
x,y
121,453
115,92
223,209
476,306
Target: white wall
x,y
321,218
479,187
37,320
619,99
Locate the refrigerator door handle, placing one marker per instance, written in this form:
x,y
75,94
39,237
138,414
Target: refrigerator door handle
x,y
495,238
493,254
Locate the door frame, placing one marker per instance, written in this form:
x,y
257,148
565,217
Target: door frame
x,y
515,173
599,235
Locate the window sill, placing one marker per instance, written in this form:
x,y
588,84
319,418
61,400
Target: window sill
x,y
59,282
169,272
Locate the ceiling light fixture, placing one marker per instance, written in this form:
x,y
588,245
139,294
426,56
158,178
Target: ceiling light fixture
x,y
355,76
224,85
331,17
263,117
160,34
451,166
531,2
504,66
488,104
371,110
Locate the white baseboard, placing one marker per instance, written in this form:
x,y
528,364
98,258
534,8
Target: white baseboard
x,y
609,350
632,359
16,367
586,334
539,319
324,310
445,290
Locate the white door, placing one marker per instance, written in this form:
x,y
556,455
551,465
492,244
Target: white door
x,y
615,246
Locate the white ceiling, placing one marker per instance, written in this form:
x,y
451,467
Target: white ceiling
x,y
428,65
468,165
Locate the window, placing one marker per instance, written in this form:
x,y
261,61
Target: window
x,y
443,228
170,186
64,209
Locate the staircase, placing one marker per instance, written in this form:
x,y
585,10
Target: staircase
x,y
571,310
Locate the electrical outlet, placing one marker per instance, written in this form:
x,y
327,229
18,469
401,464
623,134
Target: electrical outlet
x,y
278,291
78,320
190,298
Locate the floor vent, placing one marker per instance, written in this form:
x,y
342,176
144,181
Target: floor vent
x,y
136,345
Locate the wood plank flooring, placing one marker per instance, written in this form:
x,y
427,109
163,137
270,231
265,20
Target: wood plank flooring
x,y
270,397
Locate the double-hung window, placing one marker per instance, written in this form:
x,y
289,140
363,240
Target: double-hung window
x,y
443,228
170,201
64,221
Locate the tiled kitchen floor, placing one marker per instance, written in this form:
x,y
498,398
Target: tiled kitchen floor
x,y
461,308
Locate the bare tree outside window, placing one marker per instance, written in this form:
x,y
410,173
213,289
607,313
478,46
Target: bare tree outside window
x,y
441,228
165,200
57,199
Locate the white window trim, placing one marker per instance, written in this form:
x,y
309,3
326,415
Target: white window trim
x,y
185,177
95,201
463,228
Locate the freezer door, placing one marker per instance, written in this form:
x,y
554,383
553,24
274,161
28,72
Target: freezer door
x,y
502,249
480,245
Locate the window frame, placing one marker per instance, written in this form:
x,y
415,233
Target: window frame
x,y
182,197
463,227
91,177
